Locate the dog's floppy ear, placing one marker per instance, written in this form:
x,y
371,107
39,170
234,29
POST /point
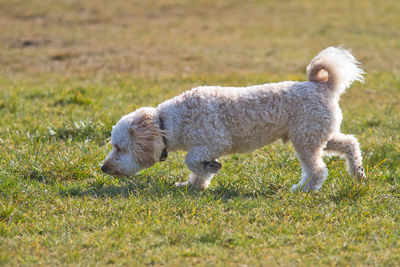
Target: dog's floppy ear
x,y
147,138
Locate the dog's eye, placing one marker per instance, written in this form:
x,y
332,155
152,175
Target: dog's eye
x,y
118,148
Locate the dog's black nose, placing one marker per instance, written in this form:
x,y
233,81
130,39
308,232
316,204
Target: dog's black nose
x,y
104,168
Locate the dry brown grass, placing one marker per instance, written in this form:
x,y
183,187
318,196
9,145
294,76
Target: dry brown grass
x,y
179,37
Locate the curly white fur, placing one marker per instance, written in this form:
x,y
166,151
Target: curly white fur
x,y
212,121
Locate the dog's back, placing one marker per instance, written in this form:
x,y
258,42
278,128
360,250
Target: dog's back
x,y
241,119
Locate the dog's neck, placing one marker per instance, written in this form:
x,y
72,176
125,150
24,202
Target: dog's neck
x,y
164,153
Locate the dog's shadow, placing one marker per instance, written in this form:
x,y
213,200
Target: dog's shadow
x,y
124,188
158,187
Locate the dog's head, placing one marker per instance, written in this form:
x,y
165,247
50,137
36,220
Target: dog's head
x,y
137,142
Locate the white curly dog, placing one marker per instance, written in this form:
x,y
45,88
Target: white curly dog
x,y
212,121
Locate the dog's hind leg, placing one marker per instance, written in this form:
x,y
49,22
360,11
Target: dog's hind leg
x,y
314,171
202,162
348,145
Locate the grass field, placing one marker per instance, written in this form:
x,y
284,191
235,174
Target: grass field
x,y
71,69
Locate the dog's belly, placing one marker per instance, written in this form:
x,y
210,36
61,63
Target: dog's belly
x,y
256,138
254,124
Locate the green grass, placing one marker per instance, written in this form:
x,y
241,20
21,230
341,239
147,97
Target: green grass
x,y
71,69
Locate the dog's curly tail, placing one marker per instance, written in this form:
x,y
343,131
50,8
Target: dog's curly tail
x,y
337,67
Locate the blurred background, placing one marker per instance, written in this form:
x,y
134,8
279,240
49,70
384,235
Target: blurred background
x,y
176,37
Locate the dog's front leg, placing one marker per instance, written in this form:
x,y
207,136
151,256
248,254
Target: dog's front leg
x,y
198,182
203,166
212,166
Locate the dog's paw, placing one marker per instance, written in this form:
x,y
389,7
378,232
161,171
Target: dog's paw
x,y
359,173
212,166
199,185
304,188
181,184
295,188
